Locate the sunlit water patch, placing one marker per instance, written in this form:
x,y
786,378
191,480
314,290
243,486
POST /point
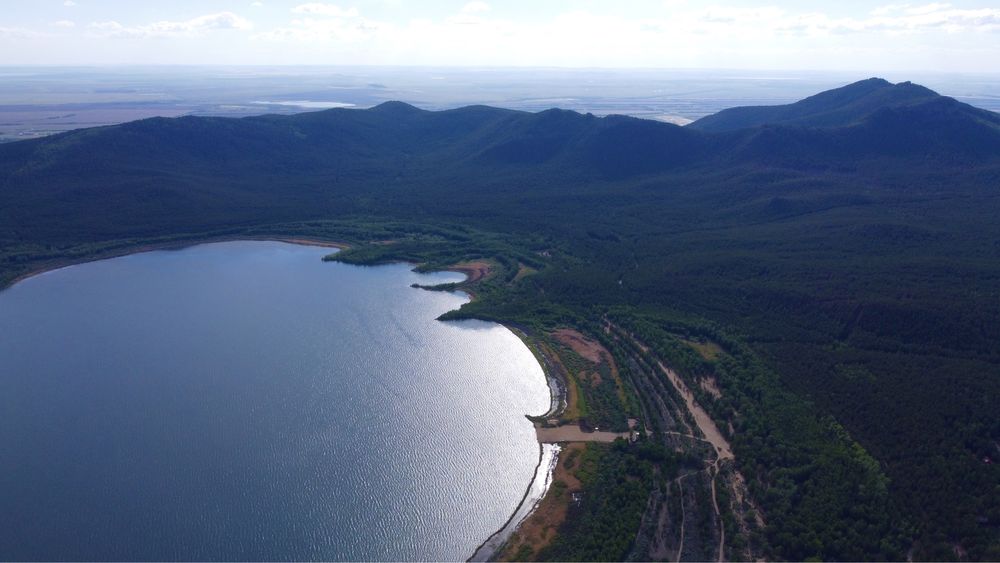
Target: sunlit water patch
x,y
246,400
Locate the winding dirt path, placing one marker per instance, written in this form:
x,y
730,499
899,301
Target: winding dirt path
x,y
714,472
680,493
704,422
723,450
721,447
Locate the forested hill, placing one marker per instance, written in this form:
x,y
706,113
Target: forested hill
x,y
834,108
849,242
195,172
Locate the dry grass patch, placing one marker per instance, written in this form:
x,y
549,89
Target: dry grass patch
x,y
707,350
523,271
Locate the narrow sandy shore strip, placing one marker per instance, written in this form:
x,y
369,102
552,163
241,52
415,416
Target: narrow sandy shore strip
x,y
573,433
536,491
549,457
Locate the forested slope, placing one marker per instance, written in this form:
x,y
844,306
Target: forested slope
x,y
847,244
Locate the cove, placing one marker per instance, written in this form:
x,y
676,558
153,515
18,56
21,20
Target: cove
x,y
247,401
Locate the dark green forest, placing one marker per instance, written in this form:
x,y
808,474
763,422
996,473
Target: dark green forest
x,y
844,253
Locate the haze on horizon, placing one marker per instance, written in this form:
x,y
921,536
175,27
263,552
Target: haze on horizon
x,y
734,34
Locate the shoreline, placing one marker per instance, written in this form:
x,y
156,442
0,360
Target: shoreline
x,y
548,456
496,541
541,477
127,250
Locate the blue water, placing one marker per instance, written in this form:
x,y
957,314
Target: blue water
x,y
245,400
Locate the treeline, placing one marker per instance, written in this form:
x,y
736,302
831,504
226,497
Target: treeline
x,y
602,522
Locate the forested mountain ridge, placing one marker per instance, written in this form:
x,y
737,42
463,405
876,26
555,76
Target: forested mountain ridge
x,y
867,117
834,108
323,159
848,246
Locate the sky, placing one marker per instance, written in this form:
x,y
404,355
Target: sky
x,y
847,35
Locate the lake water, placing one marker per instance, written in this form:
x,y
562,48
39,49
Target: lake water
x,y
245,400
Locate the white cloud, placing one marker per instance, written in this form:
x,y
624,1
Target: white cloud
x,y
891,19
678,33
465,19
17,33
69,3
198,25
473,13
905,19
257,4
344,30
327,23
106,27
690,34
888,9
476,7
326,10
927,9
65,24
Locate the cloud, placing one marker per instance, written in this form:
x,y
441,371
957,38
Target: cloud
x,y
326,23
882,35
475,7
465,19
19,33
473,13
888,9
257,4
474,32
892,19
194,26
927,9
906,19
326,10
343,30
688,34
106,27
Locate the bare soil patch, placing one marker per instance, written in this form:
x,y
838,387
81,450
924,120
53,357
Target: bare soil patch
x,y
582,345
701,418
573,433
593,352
476,270
709,385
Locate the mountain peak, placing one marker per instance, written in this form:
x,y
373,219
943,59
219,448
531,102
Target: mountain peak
x,y
872,83
839,107
875,80
396,107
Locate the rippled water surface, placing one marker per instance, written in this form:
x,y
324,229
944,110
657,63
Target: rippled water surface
x,y
245,400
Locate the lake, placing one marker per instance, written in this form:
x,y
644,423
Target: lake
x,y
245,400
